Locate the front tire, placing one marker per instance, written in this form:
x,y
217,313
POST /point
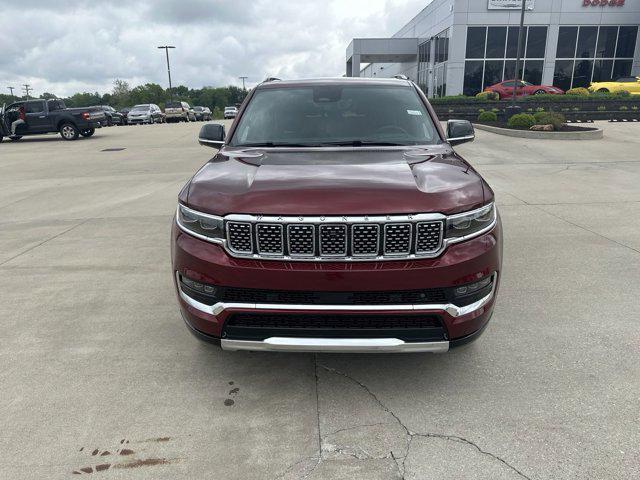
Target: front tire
x,y
109,122
603,90
88,132
151,121
68,131
539,92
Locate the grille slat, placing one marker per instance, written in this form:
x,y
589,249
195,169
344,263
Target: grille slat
x,y
333,240
338,240
302,240
239,236
428,237
397,239
270,239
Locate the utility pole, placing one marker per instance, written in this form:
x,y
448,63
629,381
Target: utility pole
x,y
519,56
243,79
27,87
166,49
11,90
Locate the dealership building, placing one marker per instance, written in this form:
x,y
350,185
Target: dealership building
x,y
462,46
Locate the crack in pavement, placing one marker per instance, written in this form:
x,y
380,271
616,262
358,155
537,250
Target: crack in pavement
x,y
411,435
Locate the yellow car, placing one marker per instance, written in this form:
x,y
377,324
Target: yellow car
x,y
630,84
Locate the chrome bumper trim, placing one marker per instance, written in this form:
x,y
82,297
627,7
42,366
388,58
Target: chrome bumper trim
x,y
451,309
341,345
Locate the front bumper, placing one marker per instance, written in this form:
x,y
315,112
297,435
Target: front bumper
x,y
458,264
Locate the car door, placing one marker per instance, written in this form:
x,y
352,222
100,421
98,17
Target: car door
x,y
36,117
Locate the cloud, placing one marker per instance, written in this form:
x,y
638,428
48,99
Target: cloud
x,y
86,45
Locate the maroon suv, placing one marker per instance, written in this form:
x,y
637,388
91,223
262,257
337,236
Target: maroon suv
x,y
337,217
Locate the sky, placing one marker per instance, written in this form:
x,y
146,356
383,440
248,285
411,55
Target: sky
x,y
86,45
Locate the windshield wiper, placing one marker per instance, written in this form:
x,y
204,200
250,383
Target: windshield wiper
x,y
274,144
365,143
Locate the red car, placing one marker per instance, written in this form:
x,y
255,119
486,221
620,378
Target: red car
x,y
505,89
337,217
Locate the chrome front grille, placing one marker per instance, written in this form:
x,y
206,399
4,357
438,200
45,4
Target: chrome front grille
x,y
335,238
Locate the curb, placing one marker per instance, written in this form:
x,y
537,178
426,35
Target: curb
x,y
585,135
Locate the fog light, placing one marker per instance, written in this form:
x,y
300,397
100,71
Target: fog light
x,y
472,287
198,286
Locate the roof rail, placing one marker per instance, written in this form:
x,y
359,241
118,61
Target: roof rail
x,y
401,77
271,79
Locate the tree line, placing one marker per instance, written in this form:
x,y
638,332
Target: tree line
x,y
122,95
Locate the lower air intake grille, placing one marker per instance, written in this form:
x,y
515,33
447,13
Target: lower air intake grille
x,y
245,326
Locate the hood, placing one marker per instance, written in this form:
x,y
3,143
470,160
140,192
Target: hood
x,y
335,182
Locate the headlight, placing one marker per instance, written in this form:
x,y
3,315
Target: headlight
x,y
470,224
201,225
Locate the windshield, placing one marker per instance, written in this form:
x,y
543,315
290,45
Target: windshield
x,y
174,105
140,108
335,115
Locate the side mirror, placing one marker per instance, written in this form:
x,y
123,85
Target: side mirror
x,y
212,135
460,131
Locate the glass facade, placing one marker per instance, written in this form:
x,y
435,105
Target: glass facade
x,y
436,64
588,54
491,56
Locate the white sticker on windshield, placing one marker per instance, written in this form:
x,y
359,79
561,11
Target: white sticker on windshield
x,y
414,112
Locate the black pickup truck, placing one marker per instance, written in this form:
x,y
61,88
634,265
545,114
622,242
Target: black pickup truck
x,y
49,116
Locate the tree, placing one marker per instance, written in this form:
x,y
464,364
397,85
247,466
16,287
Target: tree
x,y
47,96
121,92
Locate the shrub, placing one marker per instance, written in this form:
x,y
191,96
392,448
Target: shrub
x,y
495,110
539,109
601,108
577,91
488,117
622,93
521,121
550,118
624,108
492,96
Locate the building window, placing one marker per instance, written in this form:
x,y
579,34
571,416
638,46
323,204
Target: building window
x,y
589,54
472,77
496,40
496,49
567,42
476,37
432,69
563,73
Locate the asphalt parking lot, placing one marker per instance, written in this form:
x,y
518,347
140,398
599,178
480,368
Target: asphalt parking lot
x,y
99,375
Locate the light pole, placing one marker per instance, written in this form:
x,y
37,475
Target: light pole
x,y
11,90
27,88
519,55
243,79
166,49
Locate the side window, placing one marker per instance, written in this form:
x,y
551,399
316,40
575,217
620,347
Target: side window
x,y
34,107
508,84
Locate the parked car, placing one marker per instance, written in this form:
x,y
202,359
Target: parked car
x,y
113,117
629,84
145,113
368,234
178,112
202,113
230,112
49,116
505,89
125,114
